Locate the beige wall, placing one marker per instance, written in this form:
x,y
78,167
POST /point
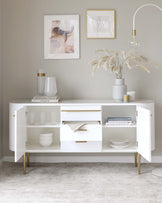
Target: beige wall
x,y
1,79
23,53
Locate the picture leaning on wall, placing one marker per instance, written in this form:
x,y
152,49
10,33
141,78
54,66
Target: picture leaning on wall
x,y
61,36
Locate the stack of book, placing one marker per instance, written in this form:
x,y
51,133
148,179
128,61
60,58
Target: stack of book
x,y
119,121
46,99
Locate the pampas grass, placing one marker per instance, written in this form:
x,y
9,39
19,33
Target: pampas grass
x,y
120,62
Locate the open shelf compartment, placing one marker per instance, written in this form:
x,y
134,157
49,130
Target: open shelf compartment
x,y
118,111
43,116
33,137
119,134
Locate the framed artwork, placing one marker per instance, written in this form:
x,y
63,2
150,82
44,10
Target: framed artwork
x,y
101,24
61,36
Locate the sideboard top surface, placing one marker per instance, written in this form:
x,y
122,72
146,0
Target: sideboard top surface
x,y
27,102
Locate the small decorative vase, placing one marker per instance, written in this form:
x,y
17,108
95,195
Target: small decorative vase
x,y
41,76
50,89
118,90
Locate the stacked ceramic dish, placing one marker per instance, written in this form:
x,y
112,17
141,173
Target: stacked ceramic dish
x,y
119,143
46,139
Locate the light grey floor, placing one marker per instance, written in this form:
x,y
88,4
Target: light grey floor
x,y
79,183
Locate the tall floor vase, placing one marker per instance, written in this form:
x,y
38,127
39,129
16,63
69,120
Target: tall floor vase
x,y
118,90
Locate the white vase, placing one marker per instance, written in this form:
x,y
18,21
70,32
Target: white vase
x,y
41,76
118,90
50,87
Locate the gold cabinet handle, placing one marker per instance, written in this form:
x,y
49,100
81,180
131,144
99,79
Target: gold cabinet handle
x,y
81,141
82,130
14,115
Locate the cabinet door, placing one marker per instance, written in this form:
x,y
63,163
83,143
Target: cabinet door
x,y
144,132
20,133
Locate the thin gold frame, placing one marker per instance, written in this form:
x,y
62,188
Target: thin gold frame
x,y
101,37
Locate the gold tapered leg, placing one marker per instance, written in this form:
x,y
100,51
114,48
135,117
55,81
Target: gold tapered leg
x,y
139,163
24,163
28,163
135,159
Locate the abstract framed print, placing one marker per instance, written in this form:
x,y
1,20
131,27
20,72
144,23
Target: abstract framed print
x,y
61,36
101,24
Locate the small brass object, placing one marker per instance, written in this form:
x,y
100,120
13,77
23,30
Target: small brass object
x,y
126,98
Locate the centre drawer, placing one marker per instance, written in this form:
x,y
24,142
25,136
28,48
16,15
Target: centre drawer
x,y
90,132
81,113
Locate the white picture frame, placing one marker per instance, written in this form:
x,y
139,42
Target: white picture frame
x,y
101,24
61,36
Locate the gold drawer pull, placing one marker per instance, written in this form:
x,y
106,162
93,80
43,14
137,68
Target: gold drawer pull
x,y
80,110
82,130
14,115
81,141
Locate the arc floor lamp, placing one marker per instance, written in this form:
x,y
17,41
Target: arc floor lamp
x,y
134,43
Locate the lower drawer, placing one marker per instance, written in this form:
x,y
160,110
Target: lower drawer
x,y
89,146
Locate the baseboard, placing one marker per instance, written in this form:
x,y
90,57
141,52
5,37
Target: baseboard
x,y
83,158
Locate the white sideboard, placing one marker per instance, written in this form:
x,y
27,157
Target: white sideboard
x,y
28,120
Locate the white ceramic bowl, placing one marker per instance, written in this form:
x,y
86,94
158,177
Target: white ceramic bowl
x,y
46,139
119,142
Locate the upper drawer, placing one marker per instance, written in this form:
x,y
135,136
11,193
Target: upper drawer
x,y
81,113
